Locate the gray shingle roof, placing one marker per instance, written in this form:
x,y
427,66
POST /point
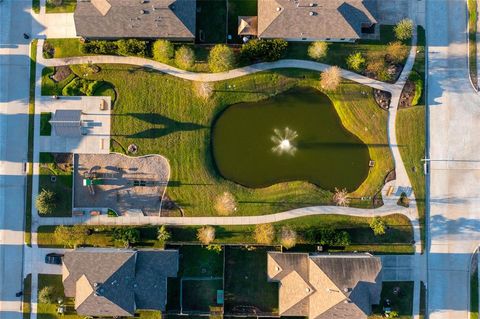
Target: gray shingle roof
x,y
110,19
114,282
314,19
67,122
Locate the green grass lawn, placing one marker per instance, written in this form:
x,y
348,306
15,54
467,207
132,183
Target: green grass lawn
x,y
45,126
238,8
36,6
472,41
66,6
474,295
49,86
211,21
423,300
27,297
402,302
66,47
62,187
198,261
246,282
199,295
173,121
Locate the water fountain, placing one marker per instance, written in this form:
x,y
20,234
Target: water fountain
x,y
284,141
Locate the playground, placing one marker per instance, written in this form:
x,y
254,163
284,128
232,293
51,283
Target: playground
x,y
122,184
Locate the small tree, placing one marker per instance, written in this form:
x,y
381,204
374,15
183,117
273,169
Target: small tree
x,y
318,50
330,78
203,89
215,247
221,58
378,226
340,197
126,235
264,49
46,295
356,62
404,29
225,204
71,236
264,234
163,51
46,202
288,237
206,235
132,47
184,57
163,235
397,51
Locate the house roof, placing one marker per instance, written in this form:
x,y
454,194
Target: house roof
x,y
326,286
314,19
247,25
171,19
67,122
112,282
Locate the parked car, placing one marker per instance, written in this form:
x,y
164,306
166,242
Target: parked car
x,y
53,258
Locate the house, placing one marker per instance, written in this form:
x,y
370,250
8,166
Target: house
x,y
117,282
67,123
316,20
325,286
149,19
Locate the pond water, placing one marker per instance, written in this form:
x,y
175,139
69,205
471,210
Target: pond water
x,y
247,150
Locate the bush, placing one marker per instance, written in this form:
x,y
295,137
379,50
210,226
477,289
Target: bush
x,y
397,52
288,237
132,47
318,50
126,235
71,236
418,81
206,235
330,237
378,226
378,68
99,47
404,29
46,202
163,51
226,204
184,57
215,248
264,234
356,62
81,86
111,213
340,197
221,58
264,50
330,78
163,235
47,295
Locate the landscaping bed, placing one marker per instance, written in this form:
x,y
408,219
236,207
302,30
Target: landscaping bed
x,y
61,6
400,294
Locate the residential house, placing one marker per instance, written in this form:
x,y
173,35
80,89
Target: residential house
x,y
117,282
326,286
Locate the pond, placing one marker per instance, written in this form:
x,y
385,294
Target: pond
x,y
250,146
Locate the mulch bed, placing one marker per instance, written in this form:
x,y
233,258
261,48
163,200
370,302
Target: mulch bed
x,y
382,98
407,95
61,73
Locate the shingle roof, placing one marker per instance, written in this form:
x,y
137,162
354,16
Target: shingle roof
x,y
170,19
314,19
67,122
326,286
113,282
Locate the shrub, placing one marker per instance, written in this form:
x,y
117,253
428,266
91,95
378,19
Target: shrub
x,y
225,204
48,50
397,52
99,47
206,235
184,57
330,78
288,237
404,29
203,89
163,51
356,62
46,202
378,226
221,58
318,50
265,50
163,235
340,197
264,234
132,47
418,81
92,86
111,213
47,295
126,235
81,86
215,247
331,237
378,68
71,236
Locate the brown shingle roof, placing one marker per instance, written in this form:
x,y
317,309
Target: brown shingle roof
x,y
314,19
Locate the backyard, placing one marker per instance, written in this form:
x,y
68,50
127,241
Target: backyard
x,y
400,294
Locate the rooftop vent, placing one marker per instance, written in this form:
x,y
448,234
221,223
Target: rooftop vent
x,y
279,9
143,11
312,13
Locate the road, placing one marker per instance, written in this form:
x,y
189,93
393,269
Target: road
x,y
14,87
454,115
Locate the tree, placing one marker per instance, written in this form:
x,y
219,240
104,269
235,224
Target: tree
x,y
132,47
340,197
71,236
163,51
332,237
206,235
264,49
330,78
203,89
46,202
221,58
225,204
378,226
264,234
163,235
397,52
288,237
47,295
126,235
184,57
318,50
404,29
356,62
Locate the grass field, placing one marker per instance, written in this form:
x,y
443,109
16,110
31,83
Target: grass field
x,y
246,283
401,302
45,126
66,6
66,47
62,187
197,261
211,21
49,86
198,295
173,121
472,41
27,297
